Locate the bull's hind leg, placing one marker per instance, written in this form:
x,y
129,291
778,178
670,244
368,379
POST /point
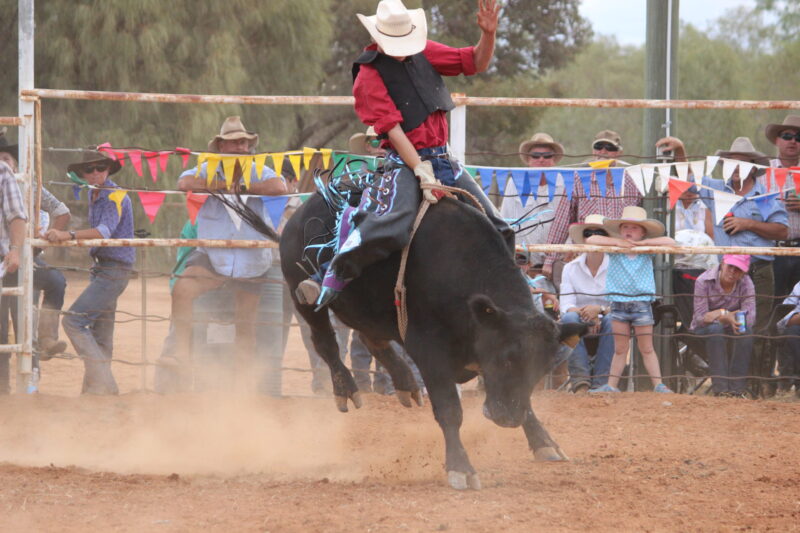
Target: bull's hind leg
x,y
402,377
324,339
544,448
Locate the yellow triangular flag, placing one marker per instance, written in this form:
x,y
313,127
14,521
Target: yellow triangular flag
x,y
294,159
277,158
246,164
200,159
601,164
228,167
326,156
117,197
211,168
260,160
308,153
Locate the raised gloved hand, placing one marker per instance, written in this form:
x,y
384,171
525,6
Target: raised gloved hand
x,y
424,171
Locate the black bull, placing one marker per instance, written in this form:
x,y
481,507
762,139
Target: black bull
x,y
469,312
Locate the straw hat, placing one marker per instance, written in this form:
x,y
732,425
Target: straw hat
x,y
635,215
791,122
591,222
231,130
540,139
609,137
358,142
93,156
398,31
743,147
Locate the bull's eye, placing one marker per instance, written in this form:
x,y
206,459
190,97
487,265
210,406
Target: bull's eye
x,y
489,310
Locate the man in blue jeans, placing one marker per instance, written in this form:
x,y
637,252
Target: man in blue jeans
x,y
90,321
790,325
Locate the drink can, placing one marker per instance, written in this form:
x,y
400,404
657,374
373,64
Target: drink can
x,y
741,320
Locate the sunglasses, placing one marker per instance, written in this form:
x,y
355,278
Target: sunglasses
x,y
608,147
594,231
375,143
88,169
541,155
788,136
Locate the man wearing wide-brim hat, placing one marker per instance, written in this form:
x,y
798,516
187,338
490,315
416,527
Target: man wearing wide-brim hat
x,y
366,143
749,224
90,321
540,151
244,270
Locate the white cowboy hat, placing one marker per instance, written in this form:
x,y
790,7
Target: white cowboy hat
x,y
232,129
591,222
635,215
744,147
358,141
791,122
541,139
398,31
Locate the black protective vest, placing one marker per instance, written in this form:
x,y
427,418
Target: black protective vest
x,y
415,87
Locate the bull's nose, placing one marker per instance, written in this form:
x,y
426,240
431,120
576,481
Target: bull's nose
x,y
502,419
486,412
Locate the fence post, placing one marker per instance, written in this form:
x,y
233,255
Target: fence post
x,y
458,131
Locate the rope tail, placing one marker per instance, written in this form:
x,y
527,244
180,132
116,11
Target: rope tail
x,y
253,219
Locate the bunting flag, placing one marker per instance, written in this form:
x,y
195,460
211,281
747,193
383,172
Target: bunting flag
x,y
744,169
136,160
152,164
228,169
796,176
163,159
635,173
764,204
602,181
246,164
723,203
682,169
676,188
326,157
212,165
711,164
648,172
275,205
522,184
304,197
193,204
260,160
698,170
586,181
768,178
277,160
551,176
606,163
568,177
308,154
184,153
486,179
117,197
151,203
617,174
119,156
294,159
780,177
728,166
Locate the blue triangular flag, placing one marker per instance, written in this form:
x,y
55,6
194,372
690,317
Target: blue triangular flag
x,y
521,184
534,178
76,192
764,204
602,179
275,206
550,176
569,182
586,180
486,179
617,173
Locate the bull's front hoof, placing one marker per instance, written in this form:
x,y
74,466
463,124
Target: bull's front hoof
x,y
418,397
462,481
341,401
548,453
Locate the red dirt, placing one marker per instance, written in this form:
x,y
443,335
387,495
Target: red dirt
x,y
213,462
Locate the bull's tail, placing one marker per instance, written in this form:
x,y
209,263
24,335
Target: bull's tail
x,y
253,219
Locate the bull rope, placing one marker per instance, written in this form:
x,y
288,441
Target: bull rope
x,y
400,286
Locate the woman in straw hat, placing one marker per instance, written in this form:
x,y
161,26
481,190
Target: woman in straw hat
x,y
631,288
399,90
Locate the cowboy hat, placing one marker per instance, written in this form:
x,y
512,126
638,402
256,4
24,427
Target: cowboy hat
x,y
791,122
742,146
398,31
231,130
541,139
91,155
591,222
635,215
608,136
12,149
358,142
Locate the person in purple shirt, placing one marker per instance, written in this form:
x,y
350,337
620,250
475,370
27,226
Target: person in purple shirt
x,y
719,293
89,324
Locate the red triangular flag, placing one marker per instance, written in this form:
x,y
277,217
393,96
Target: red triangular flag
x,y
768,178
105,147
676,188
780,176
136,160
151,202
152,162
193,204
185,153
796,176
163,159
119,155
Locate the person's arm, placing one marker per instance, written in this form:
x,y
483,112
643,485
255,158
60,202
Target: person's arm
x,y
488,11
674,145
16,234
749,302
566,212
569,299
56,235
656,241
403,146
709,224
773,231
188,182
599,240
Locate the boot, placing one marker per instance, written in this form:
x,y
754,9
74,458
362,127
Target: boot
x,y
48,342
98,379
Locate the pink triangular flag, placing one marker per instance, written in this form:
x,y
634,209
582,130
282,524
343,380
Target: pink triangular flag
x,y
185,153
136,160
151,203
163,159
119,155
193,204
152,162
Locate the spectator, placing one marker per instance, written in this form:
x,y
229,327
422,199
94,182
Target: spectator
x,y
583,299
366,143
210,268
607,145
719,294
12,235
630,286
532,221
790,325
687,268
90,322
690,213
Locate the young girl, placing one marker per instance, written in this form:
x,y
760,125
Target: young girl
x,y
631,287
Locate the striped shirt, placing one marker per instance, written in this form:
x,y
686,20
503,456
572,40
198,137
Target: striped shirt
x,y
11,203
772,186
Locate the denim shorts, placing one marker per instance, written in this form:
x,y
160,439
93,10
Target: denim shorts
x,y
636,313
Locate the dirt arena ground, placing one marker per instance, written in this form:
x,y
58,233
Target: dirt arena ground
x,y
213,462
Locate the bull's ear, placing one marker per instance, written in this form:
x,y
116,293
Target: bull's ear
x,y
485,311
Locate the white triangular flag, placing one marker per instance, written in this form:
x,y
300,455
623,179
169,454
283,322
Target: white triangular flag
x,y
663,177
728,166
235,218
711,163
682,170
723,203
635,173
698,170
511,189
744,169
648,172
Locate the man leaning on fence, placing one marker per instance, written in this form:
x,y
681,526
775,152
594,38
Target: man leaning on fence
x,y
211,268
89,324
